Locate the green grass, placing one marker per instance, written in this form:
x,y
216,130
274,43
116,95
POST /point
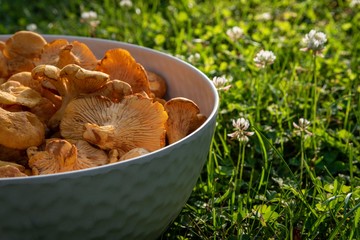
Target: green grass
x,y
279,185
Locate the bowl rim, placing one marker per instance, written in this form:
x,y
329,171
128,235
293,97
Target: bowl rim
x,y
104,168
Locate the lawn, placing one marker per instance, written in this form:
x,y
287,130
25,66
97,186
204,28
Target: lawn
x,y
284,160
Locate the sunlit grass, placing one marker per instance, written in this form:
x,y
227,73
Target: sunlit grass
x,y
281,184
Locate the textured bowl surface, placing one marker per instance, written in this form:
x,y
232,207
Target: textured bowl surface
x,y
133,199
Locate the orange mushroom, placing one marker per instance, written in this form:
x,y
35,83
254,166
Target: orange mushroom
x,y
115,90
184,118
134,122
7,163
2,46
135,152
50,53
13,92
60,53
21,51
88,155
26,79
24,128
71,81
84,55
61,155
3,66
157,84
119,64
7,171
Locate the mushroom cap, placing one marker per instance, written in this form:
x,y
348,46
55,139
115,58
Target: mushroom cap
x,y
157,84
13,92
81,80
115,90
61,155
60,53
3,66
46,72
119,64
26,79
201,118
67,57
88,155
10,171
24,43
58,156
50,53
84,55
49,77
135,121
183,116
2,46
135,152
21,50
24,128
7,163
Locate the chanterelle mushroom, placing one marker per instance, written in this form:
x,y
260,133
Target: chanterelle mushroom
x,y
20,130
61,53
13,92
71,81
135,152
50,53
77,53
3,66
26,79
10,171
88,155
136,121
183,118
119,64
61,155
157,84
115,90
58,156
22,49
7,163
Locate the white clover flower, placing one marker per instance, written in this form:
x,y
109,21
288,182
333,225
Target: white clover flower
x,y
314,41
266,16
194,57
138,11
264,58
182,57
235,33
90,18
221,83
302,126
125,3
241,126
90,15
354,3
31,27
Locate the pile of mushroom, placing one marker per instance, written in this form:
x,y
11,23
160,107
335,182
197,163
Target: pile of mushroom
x,y
62,109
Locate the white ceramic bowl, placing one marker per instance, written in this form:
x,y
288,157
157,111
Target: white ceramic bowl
x,y
134,199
